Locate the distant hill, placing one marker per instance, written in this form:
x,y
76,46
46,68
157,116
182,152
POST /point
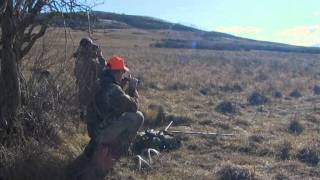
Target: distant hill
x,y
316,45
201,39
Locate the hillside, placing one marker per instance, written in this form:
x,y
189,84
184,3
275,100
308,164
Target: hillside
x,y
269,99
201,90
197,39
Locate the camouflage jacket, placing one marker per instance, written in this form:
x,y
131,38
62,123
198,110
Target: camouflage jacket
x,y
87,71
110,103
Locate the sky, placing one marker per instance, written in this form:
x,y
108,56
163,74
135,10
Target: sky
x,y
294,22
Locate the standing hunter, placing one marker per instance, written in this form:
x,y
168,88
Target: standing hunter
x,y
88,67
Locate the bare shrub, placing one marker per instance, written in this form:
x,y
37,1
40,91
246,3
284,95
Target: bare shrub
x,y
42,90
154,115
295,93
257,99
283,150
231,171
258,138
277,94
227,107
48,106
295,127
33,160
316,89
205,91
309,155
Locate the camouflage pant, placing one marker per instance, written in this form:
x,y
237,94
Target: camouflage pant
x,y
125,127
103,151
128,123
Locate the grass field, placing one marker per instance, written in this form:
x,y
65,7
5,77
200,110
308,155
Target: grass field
x,y
189,84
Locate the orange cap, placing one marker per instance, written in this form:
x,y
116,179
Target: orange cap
x,y
117,63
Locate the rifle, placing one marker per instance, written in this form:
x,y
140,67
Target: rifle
x,y
194,132
199,133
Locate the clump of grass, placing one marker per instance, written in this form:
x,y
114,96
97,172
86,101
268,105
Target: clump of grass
x,y
231,171
258,138
257,98
31,161
205,91
309,155
283,150
316,89
296,93
277,94
227,107
154,115
295,127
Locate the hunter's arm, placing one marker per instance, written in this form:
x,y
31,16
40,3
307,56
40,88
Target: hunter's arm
x,y
124,102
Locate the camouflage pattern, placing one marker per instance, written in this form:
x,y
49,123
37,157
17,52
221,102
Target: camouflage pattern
x,y
110,104
87,71
113,122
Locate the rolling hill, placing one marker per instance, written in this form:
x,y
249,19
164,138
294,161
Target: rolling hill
x,y
193,38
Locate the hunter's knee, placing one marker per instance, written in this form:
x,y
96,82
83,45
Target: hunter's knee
x,y
135,119
140,118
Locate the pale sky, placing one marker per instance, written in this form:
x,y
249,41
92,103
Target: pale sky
x,y
294,22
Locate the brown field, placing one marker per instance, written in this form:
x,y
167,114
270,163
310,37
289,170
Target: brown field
x,y
189,84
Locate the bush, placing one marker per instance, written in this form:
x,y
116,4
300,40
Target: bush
x,y
227,107
277,94
234,172
295,127
309,155
33,161
30,150
258,138
295,93
154,115
257,99
316,89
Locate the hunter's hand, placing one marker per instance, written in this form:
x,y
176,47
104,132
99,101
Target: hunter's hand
x,y
133,83
99,53
124,82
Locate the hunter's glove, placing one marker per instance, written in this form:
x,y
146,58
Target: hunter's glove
x,y
133,83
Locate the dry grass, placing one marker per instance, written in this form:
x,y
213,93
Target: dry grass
x,y
174,79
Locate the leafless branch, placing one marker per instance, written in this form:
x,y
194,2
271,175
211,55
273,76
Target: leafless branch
x,y
33,39
32,14
3,7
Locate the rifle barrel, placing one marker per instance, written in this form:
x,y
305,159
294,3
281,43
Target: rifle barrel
x,y
200,133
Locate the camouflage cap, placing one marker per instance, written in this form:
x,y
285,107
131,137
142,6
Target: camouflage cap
x,y
85,42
